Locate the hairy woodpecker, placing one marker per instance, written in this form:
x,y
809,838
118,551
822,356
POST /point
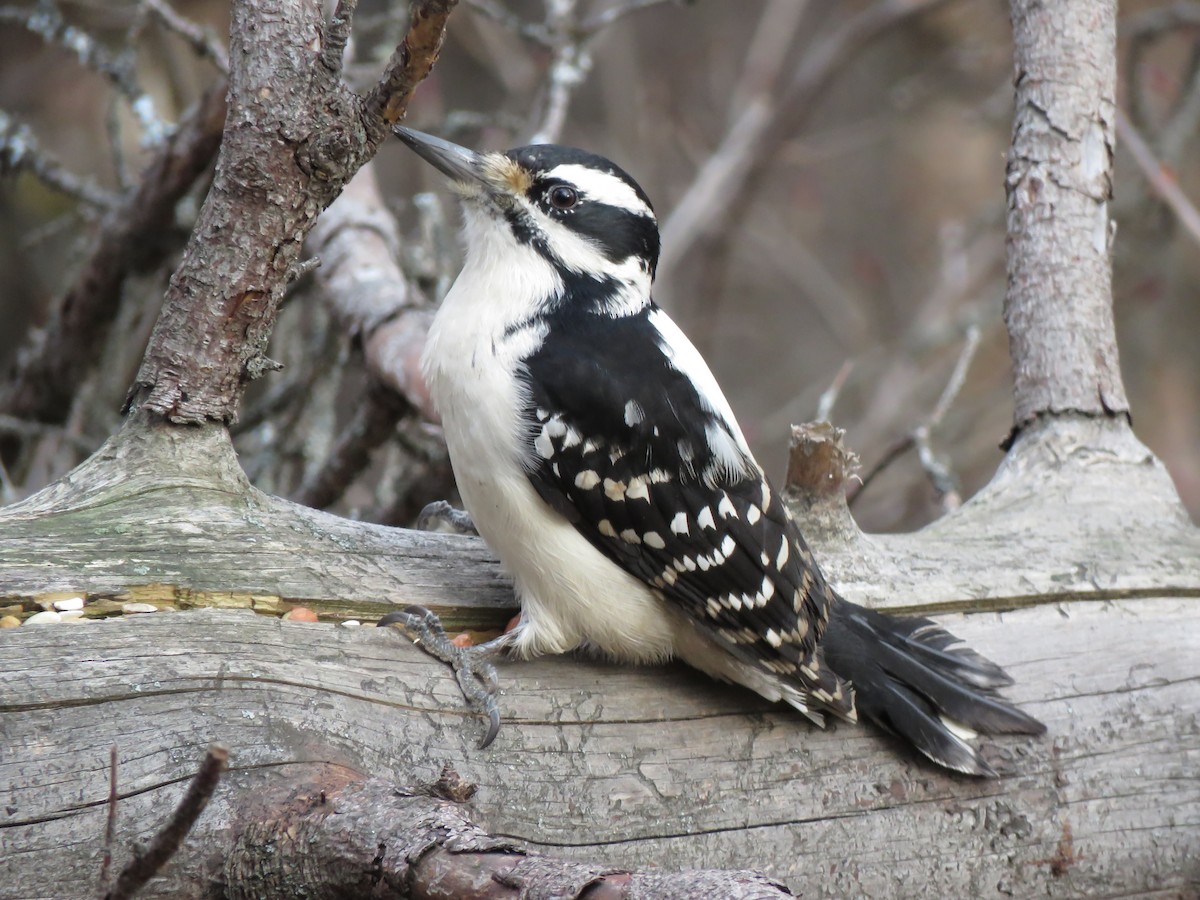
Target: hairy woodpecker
x,y
599,459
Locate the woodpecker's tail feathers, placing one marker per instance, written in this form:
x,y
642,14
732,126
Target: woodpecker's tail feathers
x,y
910,679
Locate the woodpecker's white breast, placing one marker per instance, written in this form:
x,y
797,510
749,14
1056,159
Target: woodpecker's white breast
x,y
570,593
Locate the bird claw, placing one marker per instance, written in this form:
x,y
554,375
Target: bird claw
x,y
473,669
441,517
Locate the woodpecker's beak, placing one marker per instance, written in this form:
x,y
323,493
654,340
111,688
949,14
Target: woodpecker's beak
x,y
459,163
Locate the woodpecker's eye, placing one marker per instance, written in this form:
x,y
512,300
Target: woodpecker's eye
x,y
563,197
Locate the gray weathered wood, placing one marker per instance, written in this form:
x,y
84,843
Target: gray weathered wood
x,y
1078,541
630,767
1078,507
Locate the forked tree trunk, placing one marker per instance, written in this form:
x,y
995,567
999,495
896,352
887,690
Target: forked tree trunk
x,y
1076,569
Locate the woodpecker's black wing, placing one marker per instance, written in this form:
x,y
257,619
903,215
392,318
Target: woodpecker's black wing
x,y
654,474
624,446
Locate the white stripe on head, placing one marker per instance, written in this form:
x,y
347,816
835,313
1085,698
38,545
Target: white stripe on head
x,y
602,187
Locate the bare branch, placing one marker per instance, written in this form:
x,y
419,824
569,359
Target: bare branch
x,y
336,34
570,66
374,421
46,21
423,846
940,474
957,377
130,239
412,60
604,18
19,152
502,15
166,843
1161,179
754,134
200,39
830,395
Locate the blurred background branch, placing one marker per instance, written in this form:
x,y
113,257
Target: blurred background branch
x,y
829,177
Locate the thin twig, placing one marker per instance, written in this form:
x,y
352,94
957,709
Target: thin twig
x,y
830,395
1143,31
200,39
571,63
604,18
503,16
1160,178
411,61
941,476
337,34
110,828
46,21
571,41
20,152
957,378
168,840
29,430
767,118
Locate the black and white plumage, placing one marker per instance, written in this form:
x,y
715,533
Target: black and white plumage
x,y
600,460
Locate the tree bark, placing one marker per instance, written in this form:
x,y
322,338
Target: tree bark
x,y
294,136
1058,307
129,240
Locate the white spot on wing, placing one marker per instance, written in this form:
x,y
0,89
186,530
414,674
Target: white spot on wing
x,y
705,518
767,591
634,413
614,490
572,438
679,524
587,479
726,507
543,445
630,536
782,557
654,539
637,489
752,514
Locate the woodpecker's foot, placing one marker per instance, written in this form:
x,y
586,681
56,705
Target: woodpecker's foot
x,y
472,665
443,518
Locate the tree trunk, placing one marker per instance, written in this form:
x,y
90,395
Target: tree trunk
x,y
1059,302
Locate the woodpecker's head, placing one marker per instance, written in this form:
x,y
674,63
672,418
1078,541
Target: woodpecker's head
x,y
583,214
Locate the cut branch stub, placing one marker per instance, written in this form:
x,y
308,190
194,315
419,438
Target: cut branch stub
x,y
818,466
